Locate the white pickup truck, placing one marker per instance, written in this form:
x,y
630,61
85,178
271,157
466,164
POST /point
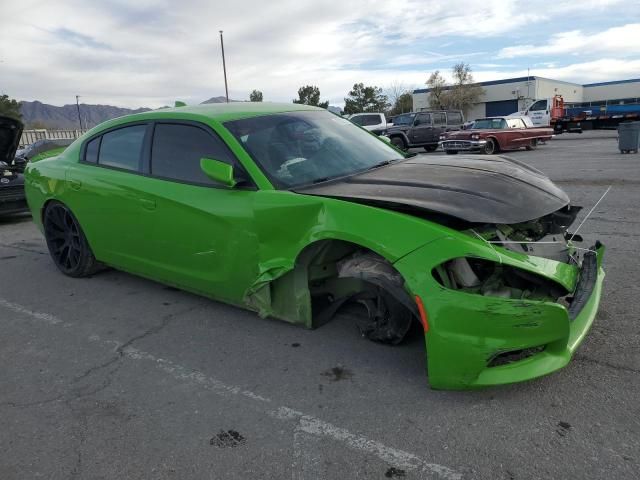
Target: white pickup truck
x,y
374,122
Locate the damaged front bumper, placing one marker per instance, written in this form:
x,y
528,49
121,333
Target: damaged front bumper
x,y
475,340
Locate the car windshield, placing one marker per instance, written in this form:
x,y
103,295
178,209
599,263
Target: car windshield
x,y
490,123
301,148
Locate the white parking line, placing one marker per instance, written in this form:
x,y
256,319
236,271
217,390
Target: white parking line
x,y
304,423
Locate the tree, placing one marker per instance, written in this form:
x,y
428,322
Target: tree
x,y
10,107
400,98
462,94
365,99
310,95
255,96
403,104
437,91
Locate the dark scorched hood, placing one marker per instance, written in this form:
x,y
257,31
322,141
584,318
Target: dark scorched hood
x,y
476,189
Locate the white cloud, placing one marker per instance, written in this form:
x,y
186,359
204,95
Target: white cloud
x,y
151,52
624,40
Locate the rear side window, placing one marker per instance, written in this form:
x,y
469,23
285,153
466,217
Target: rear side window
x,y
439,119
91,152
368,120
423,119
122,148
454,118
177,149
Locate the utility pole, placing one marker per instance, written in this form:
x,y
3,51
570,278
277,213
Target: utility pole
x,y
224,68
78,108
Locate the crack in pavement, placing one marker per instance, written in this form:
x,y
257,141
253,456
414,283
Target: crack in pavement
x,y
166,319
23,249
603,363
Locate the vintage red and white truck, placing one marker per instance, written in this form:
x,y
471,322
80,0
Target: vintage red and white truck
x,y
494,134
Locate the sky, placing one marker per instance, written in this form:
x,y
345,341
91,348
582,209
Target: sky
x,y
149,53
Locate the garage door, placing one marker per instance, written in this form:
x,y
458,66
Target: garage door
x,y
504,107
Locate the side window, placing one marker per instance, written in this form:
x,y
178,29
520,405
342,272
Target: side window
x,y
539,105
176,151
358,120
454,118
438,119
369,120
423,119
91,151
122,148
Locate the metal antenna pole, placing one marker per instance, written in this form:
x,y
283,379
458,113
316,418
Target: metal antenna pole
x,y
224,68
78,108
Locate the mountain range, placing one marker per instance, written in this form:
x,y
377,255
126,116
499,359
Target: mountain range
x,y
41,115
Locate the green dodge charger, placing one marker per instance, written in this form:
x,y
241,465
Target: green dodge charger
x,y
298,214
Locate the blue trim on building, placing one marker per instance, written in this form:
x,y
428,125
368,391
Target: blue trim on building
x,y
484,84
615,82
534,77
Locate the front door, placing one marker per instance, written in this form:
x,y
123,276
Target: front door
x,y
539,113
422,130
199,233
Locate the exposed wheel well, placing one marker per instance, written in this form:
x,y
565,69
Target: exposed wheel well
x,y
330,273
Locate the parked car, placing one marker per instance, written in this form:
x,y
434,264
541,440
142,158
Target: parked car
x,y
423,129
494,134
374,122
295,213
41,149
12,198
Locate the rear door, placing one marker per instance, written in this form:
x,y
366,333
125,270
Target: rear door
x,y
439,126
103,193
422,130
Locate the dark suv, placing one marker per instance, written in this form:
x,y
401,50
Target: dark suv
x,y
423,129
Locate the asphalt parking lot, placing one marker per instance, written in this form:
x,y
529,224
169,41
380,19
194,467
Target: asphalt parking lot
x,y
118,377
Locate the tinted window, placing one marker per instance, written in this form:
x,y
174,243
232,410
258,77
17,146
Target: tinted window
x,y
122,148
423,119
404,119
454,118
357,120
91,152
369,120
439,119
177,149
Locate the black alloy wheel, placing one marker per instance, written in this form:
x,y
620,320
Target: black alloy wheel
x,y
66,242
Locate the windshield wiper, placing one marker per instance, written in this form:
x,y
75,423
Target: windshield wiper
x,y
383,163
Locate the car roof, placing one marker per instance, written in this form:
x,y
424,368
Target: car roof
x,y
220,112
233,110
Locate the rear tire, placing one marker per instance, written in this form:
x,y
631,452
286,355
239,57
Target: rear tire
x,y
490,147
67,243
533,145
398,142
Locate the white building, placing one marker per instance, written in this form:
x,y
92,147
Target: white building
x,y
503,97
